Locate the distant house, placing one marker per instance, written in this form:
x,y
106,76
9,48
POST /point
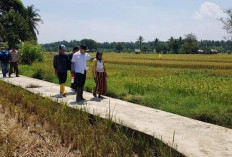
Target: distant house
x,y
137,51
201,51
213,51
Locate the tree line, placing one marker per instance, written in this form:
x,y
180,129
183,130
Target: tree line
x,y
188,45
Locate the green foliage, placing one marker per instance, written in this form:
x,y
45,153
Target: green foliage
x,y
6,5
33,19
161,48
174,45
30,53
39,74
91,44
145,49
152,46
119,47
17,24
190,44
14,28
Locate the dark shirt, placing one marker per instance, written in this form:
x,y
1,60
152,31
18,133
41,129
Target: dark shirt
x,y
70,56
61,62
5,57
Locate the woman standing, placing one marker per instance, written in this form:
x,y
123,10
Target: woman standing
x,y
100,75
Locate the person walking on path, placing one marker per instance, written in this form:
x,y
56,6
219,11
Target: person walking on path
x,y
14,62
60,64
4,59
79,59
100,75
71,64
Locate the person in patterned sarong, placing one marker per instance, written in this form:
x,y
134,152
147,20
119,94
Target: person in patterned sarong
x,y
100,76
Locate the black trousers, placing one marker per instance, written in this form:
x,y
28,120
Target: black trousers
x,y
73,85
14,65
80,80
62,76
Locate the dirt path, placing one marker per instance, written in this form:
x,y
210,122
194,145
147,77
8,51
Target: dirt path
x,y
31,141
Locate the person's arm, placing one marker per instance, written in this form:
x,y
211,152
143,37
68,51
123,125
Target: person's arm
x,y
104,67
73,61
55,64
72,67
88,57
68,62
18,58
94,66
9,57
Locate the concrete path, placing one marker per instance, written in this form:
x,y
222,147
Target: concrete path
x,y
191,137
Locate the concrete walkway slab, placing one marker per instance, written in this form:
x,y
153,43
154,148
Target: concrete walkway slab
x,y
191,137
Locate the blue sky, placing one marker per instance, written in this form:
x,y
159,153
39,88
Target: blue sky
x,y
125,20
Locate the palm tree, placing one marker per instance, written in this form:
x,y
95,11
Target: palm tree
x,y
33,20
140,40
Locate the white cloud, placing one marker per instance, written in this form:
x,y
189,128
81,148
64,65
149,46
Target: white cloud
x,y
209,9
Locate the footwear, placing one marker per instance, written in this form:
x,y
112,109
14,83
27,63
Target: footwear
x,y
94,92
17,76
99,95
78,97
62,90
81,94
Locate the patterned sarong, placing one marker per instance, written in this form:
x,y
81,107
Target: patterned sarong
x,y
101,82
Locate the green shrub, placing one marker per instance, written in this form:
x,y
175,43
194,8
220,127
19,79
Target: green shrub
x,y
31,52
39,74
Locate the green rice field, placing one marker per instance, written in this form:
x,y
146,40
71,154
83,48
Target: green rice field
x,y
195,86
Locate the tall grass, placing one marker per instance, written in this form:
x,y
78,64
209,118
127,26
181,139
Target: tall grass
x,y
78,130
195,86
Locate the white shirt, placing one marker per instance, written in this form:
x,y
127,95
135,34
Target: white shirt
x,y
100,66
79,61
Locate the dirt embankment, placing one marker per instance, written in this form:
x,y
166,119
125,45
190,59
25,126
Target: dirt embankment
x,y
33,140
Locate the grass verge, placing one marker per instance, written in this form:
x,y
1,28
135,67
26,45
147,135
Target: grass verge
x,y
78,130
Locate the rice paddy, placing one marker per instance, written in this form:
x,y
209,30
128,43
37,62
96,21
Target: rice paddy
x,y
195,86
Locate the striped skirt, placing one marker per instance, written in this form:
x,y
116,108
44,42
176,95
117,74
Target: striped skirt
x,y
101,82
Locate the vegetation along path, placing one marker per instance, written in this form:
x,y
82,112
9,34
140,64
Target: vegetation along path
x,y
189,137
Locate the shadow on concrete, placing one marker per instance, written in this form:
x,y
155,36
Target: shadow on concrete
x,y
71,93
95,99
57,96
61,96
81,103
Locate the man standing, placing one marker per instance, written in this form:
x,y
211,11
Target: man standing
x,y
4,58
60,64
70,56
79,59
14,62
